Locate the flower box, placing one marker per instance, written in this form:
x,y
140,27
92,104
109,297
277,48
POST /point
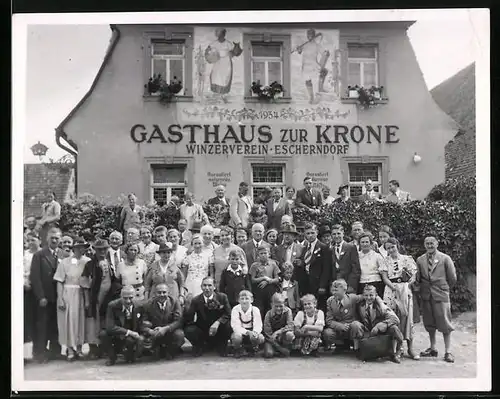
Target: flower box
x,y
353,93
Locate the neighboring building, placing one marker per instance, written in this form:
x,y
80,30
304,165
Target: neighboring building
x,y
456,96
39,180
217,132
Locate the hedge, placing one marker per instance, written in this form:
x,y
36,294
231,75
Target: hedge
x,y
449,213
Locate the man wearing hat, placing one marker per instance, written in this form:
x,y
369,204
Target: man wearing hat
x,y
325,235
288,251
101,286
343,193
300,238
164,313
240,207
123,326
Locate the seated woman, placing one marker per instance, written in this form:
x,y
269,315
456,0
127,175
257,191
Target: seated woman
x,y
399,272
309,324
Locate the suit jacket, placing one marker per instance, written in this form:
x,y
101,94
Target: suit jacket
x,y
93,272
205,317
347,313
274,216
320,270
239,210
382,315
43,267
366,197
217,201
349,268
278,253
115,318
251,251
171,316
437,282
303,198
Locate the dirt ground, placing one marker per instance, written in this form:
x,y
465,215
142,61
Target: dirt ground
x,y
327,366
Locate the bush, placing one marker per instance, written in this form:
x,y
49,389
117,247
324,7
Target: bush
x,y
448,212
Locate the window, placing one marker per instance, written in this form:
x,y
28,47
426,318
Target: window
x,y
166,181
168,58
361,172
267,176
362,66
267,59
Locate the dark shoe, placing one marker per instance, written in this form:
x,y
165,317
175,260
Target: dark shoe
x,y
448,357
395,359
315,354
429,353
197,351
168,355
238,353
110,362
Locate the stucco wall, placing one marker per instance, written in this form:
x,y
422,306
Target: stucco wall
x,y
110,162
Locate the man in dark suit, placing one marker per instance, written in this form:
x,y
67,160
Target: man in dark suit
x,y
309,198
124,321
220,197
164,313
288,250
43,266
250,247
314,274
212,326
276,207
345,260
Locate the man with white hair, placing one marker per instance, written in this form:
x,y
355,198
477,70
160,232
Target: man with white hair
x,y
257,241
115,255
220,197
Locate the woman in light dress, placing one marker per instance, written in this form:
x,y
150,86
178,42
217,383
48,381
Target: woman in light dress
x,y
147,248
132,270
179,252
384,233
196,266
370,263
397,294
70,305
219,54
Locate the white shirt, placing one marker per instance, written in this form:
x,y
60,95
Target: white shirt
x,y
257,244
275,204
209,298
238,269
241,319
112,256
289,252
299,319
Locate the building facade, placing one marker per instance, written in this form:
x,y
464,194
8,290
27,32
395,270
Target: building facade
x,y
217,131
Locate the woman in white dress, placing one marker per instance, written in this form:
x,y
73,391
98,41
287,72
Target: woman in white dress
x,y
178,251
70,305
132,270
219,54
196,266
398,273
384,233
147,248
370,263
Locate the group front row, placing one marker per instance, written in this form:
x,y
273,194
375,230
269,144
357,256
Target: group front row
x,y
160,326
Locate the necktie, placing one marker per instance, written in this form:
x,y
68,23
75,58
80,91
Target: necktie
x,y
128,312
430,260
307,257
116,261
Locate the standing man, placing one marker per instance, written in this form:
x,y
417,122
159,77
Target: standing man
x,y
396,195
115,254
124,321
276,208
220,197
356,231
240,208
251,246
314,274
43,267
370,194
345,260
289,250
309,198
164,312
436,275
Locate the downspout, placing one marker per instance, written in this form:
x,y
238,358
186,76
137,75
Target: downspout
x,y
60,133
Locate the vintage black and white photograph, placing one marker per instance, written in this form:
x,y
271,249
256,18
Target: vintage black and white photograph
x,y
284,197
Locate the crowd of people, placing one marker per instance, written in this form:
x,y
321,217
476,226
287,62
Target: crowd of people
x,y
279,288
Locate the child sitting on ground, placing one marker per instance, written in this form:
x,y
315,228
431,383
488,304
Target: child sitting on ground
x,y
233,279
290,288
309,324
246,323
278,328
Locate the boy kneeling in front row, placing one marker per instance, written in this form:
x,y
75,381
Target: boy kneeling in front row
x,y
123,325
278,328
246,323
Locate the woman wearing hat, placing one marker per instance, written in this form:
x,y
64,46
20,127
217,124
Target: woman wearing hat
x,y
70,306
164,270
343,193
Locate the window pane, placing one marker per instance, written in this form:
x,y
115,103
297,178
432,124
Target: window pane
x,y
354,74
357,51
168,48
179,191
160,196
369,74
355,191
266,50
176,70
274,73
258,72
363,172
168,174
267,174
159,67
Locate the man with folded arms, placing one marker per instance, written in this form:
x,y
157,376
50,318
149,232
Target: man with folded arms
x,y
164,313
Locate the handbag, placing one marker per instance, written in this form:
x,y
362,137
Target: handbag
x,y
375,347
405,275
